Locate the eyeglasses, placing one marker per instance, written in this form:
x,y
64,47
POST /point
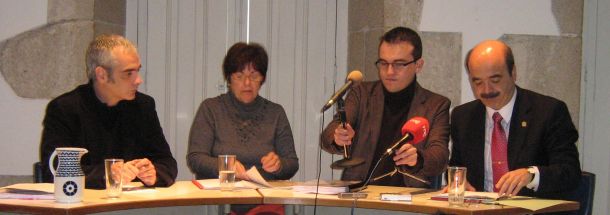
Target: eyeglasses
x,y
255,77
400,66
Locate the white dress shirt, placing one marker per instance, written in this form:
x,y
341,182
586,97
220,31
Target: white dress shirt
x,y
506,112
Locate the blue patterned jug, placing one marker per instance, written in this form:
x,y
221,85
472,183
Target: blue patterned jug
x,y
69,177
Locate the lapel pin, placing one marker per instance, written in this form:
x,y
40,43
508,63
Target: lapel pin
x,y
523,124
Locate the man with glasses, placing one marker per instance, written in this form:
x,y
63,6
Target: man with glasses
x,y
513,141
377,110
111,119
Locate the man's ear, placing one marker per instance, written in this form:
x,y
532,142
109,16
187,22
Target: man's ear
x,y
101,75
419,65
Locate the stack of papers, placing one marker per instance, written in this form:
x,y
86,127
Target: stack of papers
x,y
322,188
319,189
256,181
529,203
30,191
214,184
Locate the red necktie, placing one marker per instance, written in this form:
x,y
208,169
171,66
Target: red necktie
x,y
499,162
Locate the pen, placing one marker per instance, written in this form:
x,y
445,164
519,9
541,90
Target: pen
x,y
196,183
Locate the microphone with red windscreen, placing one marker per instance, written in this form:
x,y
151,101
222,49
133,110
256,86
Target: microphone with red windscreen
x,y
415,130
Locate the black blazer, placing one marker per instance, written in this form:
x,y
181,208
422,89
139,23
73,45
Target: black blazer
x,y
541,134
78,119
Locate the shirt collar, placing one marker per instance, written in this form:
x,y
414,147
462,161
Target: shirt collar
x,y
506,112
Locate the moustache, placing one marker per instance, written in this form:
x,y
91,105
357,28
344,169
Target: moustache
x,y
490,95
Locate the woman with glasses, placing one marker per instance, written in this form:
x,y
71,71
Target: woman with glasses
x,y
242,123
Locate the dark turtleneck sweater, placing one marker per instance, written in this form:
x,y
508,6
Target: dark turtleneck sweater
x,y
395,112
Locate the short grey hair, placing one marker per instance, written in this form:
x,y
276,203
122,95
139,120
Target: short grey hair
x,y
99,53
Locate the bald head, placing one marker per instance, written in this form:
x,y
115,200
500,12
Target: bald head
x,y
491,73
491,50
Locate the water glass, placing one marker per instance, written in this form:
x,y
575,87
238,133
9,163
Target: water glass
x,y
456,185
114,182
226,172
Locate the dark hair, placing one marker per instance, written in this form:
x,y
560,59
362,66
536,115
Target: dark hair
x,y
509,60
241,55
402,34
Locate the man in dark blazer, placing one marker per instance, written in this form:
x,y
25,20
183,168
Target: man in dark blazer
x,y
377,110
537,132
111,119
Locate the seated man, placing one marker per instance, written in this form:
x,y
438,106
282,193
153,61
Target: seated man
x,y
110,119
376,112
513,141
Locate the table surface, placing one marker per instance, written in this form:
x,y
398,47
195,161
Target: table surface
x,y
184,193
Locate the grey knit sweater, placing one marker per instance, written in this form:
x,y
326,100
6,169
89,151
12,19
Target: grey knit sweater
x,y
223,125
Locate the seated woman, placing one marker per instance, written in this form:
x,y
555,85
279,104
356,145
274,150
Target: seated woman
x,y
242,123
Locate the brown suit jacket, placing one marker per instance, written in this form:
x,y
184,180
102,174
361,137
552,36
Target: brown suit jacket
x,y
364,109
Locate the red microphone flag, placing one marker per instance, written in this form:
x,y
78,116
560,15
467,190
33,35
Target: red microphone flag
x,y
418,127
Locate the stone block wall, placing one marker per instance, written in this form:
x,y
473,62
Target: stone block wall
x,y
50,60
549,64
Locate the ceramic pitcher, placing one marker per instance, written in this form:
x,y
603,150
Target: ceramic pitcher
x,y
69,177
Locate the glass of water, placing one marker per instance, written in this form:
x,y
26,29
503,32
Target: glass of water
x,y
114,182
456,185
226,172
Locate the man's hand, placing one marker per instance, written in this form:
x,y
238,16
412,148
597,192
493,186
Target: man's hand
x,y
343,136
406,155
130,171
511,183
271,162
240,171
146,171
467,187
115,169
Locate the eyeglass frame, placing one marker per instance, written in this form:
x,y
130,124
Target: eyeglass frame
x,y
242,78
400,66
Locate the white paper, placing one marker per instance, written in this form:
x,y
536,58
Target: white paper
x,y
41,187
214,184
30,191
256,177
321,187
475,195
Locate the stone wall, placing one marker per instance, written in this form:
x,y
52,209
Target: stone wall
x,y
549,64
50,60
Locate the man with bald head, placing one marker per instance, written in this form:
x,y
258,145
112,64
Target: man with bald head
x,y
513,141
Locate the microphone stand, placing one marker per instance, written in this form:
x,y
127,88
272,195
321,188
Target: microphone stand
x,y
347,160
362,185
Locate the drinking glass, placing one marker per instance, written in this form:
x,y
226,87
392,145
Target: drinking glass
x,y
114,182
456,185
226,172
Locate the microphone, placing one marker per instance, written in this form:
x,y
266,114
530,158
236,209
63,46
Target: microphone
x,y
415,130
352,77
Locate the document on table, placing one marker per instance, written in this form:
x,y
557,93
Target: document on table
x,y
214,184
256,177
31,191
322,187
256,181
529,203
